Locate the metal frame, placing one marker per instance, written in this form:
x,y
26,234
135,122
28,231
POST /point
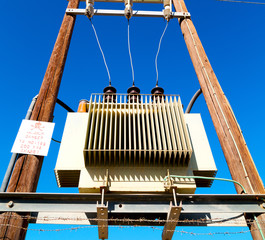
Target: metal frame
x,y
134,209
106,12
173,217
134,206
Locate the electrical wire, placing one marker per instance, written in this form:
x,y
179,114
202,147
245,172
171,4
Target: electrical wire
x,y
260,230
55,140
193,100
158,50
129,49
65,106
261,3
210,178
101,51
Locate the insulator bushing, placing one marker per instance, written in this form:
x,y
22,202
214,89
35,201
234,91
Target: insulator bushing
x,y
109,94
82,107
133,94
157,94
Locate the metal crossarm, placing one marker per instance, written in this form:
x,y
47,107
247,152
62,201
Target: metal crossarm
x,y
108,12
197,210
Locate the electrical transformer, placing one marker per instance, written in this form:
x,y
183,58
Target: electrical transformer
x,y
134,143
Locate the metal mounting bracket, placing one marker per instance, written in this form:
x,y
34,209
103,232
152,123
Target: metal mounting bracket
x,y
172,220
109,12
102,216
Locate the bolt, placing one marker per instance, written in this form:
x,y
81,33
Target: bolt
x,y
10,204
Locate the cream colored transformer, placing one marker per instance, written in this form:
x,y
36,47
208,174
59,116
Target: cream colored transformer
x,y
134,147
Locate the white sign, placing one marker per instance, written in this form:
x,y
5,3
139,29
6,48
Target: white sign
x,y
34,137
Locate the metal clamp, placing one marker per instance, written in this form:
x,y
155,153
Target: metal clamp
x,y
169,184
167,10
128,12
89,8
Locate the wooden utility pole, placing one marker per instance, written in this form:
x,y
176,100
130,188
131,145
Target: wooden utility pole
x,y
239,160
27,169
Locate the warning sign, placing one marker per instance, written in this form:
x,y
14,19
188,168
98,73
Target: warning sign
x,y
34,137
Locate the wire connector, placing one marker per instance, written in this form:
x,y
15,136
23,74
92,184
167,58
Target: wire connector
x,y
89,8
128,12
167,10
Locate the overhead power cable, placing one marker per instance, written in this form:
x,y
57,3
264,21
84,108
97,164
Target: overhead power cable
x,y
192,101
101,51
129,49
56,140
158,50
65,106
261,3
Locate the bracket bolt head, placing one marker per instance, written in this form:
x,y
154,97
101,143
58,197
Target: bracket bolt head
x,y
10,204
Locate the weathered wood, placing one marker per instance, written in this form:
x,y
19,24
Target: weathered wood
x,y
239,160
27,169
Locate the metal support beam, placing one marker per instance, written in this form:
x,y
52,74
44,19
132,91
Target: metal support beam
x,y
109,12
129,203
120,207
197,210
173,217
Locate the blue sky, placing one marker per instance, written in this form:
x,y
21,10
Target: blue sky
x,y
232,34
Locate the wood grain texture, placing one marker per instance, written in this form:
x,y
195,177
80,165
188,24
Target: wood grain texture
x,y
27,168
239,160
